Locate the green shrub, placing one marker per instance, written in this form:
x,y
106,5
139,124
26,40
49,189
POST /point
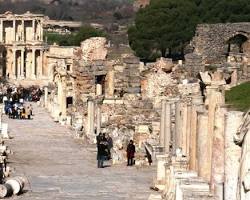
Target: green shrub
x,y
239,96
73,39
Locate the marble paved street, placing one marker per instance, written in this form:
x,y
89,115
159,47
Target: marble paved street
x,y
61,167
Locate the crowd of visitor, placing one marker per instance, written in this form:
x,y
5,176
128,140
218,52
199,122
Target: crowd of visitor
x,y
14,99
104,147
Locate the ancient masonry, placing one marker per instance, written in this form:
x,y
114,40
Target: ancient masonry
x,y
174,110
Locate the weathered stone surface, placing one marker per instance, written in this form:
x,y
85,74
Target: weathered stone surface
x,y
94,49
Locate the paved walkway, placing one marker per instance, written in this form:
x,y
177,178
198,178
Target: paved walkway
x,y
60,167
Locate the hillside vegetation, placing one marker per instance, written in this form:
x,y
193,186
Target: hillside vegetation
x,y
239,97
165,27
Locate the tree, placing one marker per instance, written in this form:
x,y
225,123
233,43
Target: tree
x,y
165,26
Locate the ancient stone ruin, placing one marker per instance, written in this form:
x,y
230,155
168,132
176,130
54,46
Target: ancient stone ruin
x,y
175,111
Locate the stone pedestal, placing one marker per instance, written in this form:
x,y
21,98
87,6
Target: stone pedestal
x,y
161,171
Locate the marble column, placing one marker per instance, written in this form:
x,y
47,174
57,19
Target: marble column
x,y
33,29
202,147
185,122
1,31
14,64
14,30
167,128
218,151
188,128
232,154
178,125
162,128
40,65
197,104
33,70
91,117
41,30
215,97
22,63
23,31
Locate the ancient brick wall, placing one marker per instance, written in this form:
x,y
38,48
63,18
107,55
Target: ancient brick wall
x,y
211,40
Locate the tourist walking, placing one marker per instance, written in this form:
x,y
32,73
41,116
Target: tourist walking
x,y
130,153
102,148
29,112
110,146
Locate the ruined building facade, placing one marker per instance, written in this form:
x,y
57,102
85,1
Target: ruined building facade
x,y
220,46
21,38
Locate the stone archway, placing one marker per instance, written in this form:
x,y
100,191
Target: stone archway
x,y
236,43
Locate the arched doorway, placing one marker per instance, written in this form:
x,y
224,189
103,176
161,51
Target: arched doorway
x,y
236,43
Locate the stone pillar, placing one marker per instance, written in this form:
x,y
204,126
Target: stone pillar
x,y
34,29
162,128
178,125
184,129
14,75
46,97
33,70
41,30
14,30
23,31
91,117
202,147
218,151
22,63
197,104
188,128
167,128
40,65
1,31
232,154
215,97
98,119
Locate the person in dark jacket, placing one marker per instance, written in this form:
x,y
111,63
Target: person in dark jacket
x,y
110,146
102,149
130,153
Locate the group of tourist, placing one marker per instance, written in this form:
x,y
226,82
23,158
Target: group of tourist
x,y
13,100
104,146
18,111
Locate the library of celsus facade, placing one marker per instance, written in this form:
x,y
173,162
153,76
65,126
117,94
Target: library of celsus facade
x,y
21,38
